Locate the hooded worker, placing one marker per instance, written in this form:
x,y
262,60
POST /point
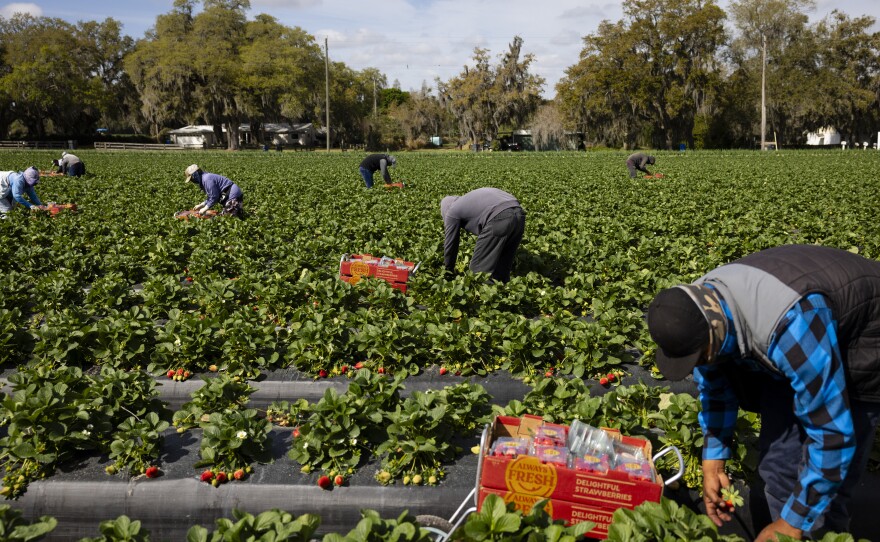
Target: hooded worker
x,y
498,221
15,185
218,189
377,162
639,161
789,332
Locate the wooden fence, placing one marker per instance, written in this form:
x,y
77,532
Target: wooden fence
x,y
111,146
37,144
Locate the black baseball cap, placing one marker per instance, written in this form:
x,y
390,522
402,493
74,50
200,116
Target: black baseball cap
x,y
680,329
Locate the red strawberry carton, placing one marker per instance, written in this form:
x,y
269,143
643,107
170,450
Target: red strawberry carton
x,y
550,434
54,208
396,272
530,476
557,455
511,446
588,462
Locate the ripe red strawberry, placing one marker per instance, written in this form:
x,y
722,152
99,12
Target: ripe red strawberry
x,y
359,365
170,373
187,374
443,370
324,482
239,474
612,377
381,370
207,476
221,477
152,471
729,504
548,374
338,480
322,373
603,381
296,432
343,369
179,371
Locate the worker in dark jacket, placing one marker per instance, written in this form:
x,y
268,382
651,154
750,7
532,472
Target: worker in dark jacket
x,y
498,221
638,161
792,333
70,165
218,189
376,162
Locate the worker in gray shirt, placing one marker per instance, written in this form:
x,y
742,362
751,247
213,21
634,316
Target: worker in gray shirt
x,y
70,165
498,221
638,161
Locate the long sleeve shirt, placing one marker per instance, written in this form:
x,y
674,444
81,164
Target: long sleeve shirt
x,y
14,184
639,160
471,212
214,186
807,353
378,162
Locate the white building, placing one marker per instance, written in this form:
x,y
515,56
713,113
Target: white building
x,y
825,136
194,136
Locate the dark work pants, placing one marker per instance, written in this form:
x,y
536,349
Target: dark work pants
x,y
783,452
497,243
76,170
631,166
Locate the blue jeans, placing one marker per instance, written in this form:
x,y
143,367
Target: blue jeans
x,y
783,452
368,177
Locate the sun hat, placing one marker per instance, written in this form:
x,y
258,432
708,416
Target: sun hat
x,y
681,329
190,171
31,176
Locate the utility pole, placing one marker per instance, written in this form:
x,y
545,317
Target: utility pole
x,y
763,91
327,90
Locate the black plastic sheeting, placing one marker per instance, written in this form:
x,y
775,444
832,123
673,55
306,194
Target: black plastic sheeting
x,y
81,495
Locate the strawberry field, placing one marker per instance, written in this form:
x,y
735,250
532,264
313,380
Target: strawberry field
x,y
177,370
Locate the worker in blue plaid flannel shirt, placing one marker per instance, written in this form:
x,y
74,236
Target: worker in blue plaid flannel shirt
x,y
792,333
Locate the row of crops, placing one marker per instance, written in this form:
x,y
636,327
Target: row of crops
x,y
98,305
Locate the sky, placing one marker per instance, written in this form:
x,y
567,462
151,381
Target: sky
x,y
414,41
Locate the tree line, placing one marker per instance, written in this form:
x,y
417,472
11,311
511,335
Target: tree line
x,y
669,72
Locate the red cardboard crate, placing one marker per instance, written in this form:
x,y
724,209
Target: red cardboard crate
x,y
574,495
528,475
557,509
393,271
54,208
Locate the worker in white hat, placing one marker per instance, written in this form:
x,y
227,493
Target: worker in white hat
x,y
70,165
218,189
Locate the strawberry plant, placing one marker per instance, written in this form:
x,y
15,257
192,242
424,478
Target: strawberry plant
x,y
500,521
223,394
232,440
135,443
13,528
272,524
421,433
665,520
119,529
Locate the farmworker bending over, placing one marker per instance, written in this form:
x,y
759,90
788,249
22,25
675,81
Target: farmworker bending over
x,y
638,161
70,165
789,332
377,162
15,185
497,220
218,189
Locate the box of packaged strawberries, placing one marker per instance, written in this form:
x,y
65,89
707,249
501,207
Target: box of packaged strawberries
x,y
584,471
